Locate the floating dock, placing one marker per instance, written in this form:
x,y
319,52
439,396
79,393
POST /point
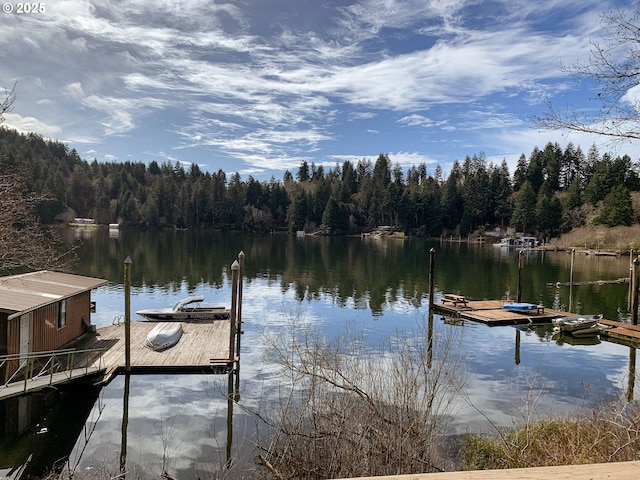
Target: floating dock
x,y
619,332
203,348
490,312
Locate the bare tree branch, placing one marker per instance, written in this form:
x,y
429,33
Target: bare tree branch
x,y
23,243
7,104
614,66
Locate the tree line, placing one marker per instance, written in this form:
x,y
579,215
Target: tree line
x,y
551,191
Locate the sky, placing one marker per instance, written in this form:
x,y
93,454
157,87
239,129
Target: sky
x,y
259,86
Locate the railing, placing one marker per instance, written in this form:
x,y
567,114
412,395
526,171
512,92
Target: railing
x,y
40,365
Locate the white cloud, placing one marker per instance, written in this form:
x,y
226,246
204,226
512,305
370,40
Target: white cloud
x,y
74,90
267,86
31,125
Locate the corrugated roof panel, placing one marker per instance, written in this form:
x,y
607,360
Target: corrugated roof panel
x,y
32,290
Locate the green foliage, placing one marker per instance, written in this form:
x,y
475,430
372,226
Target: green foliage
x,y
548,215
524,208
617,208
545,189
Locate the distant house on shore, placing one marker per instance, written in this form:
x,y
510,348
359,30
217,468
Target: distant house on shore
x,y
42,311
83,222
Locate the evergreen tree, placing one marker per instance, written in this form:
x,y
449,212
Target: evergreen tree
x,y
452,200
336,216
303,174
524,209
548,215
501,191
520,174
617,208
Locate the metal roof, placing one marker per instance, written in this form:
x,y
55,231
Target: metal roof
x,y
20,294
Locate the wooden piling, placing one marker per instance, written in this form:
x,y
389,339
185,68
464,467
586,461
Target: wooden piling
x,y
573,258
632,374
634,293
520,269
240,277
632,279
432,262
235,267
127,314
239,325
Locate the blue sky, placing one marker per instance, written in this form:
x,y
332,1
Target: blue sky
x,y
258,86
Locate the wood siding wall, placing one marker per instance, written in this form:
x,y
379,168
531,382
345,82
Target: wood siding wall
x,y
45,334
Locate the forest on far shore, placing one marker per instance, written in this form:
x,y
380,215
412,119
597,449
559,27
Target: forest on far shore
x,y
552,191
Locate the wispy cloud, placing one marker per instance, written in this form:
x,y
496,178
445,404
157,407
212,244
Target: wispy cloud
x,y
267,85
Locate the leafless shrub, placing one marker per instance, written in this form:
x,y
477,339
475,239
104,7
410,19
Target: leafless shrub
x,y
352,411
23,242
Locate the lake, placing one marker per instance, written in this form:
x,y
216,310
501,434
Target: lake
x,y
377,287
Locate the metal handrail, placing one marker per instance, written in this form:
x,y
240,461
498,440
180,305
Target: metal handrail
x,y
37,365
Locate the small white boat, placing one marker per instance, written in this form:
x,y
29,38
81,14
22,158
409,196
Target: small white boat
x,y
189,308
163,335
578,324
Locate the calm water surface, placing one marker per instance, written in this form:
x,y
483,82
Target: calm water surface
x,y
378,287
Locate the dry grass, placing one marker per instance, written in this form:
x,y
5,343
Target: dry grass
x,y
619,239
610,433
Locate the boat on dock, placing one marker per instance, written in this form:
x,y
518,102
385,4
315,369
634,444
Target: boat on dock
x,y
190,308
164,335
578,324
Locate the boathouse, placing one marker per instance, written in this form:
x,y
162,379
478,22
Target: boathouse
x,y
42,311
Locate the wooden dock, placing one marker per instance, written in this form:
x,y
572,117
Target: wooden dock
x,y
490,312
203,348
619,332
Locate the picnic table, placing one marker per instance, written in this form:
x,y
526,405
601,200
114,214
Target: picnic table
x,y
455,299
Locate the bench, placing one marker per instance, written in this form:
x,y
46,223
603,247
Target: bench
x,y
455,299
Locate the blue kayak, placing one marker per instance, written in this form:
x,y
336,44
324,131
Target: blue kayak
x,y
520,307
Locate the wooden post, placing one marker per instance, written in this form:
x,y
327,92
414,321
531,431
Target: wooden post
x,y
632,279
127,314
240,281
235,266
432,262
520,268
632,374
634,296
239,325
573,258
